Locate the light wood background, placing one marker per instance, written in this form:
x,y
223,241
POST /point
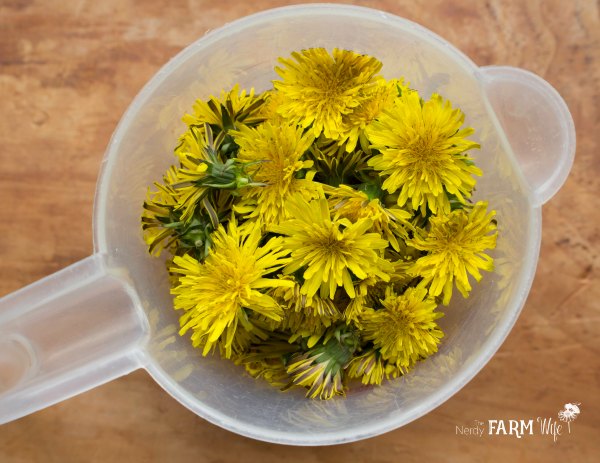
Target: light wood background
x,y
68,70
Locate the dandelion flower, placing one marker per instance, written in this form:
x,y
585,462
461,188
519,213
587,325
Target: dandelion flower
x,y
158,212
455,246
277,152
193,166
272,100
379,98
371,291
320,369
303,317
405,329
369,367
206,169
271,370
164,227
266,360
192,145
217,293
422,149
293,299
569,413
330,251
230,110
319,88
333,166
354,205
323,378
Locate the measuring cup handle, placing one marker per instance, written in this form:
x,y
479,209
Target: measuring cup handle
x,y
65,334
537,124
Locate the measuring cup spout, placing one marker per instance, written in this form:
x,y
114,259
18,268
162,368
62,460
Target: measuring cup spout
x,y
537,124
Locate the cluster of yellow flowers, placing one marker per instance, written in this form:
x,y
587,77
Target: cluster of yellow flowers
x,y
314,228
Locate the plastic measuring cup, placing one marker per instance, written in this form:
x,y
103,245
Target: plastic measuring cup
x,y
112,313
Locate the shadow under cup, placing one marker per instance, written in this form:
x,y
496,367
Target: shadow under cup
x,y
245,54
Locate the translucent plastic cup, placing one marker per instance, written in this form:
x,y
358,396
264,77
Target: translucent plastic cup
x,y
112,313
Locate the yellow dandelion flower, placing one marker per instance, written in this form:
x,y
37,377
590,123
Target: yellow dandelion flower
x,y
320,88
333,166
404,330
230,110
355,309
215,294
204,169
330,251
249,331
192,169
380,97
303,317
268,111
422,149
320,369
370,291
272,370
292,298
197,147
164,222
192,145
158,212
394,370
277,151
354,205
366,294
369,367
306,325
266,360
455,246
322,378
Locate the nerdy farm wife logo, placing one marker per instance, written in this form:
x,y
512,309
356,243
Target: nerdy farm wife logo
x,y
519,428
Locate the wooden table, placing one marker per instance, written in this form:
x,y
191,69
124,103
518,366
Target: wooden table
x,y
68,70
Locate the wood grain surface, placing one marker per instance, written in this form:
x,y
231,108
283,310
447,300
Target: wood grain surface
x,y
69,69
